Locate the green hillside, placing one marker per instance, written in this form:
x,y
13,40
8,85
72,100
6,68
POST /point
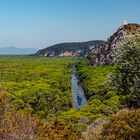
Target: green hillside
x,y
73,47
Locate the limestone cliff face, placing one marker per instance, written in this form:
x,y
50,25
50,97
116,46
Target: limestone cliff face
x,y
105,55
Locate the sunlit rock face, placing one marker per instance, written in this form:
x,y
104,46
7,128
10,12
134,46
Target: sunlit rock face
x,y
105,55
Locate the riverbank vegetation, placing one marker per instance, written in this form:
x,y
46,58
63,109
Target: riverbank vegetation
x,y
102,100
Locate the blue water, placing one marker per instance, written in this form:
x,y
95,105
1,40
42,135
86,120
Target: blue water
x,y
77,92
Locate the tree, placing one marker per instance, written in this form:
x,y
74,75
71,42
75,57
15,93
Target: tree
x,y
126,79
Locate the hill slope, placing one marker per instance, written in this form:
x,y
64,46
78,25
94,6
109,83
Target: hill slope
x,y
105,55
70,49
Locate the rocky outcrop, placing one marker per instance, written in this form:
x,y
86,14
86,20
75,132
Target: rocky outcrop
x,y
105,55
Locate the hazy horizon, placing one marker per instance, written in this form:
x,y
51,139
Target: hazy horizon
x,y
41,23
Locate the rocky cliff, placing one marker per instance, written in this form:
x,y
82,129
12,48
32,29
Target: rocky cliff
x,y
105,55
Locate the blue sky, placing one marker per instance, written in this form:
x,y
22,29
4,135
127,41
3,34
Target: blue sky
x,y
40,23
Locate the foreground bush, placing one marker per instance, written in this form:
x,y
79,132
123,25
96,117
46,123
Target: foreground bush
x,y
21,124
125,126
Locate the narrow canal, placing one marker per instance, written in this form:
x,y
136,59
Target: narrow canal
x,y
77,92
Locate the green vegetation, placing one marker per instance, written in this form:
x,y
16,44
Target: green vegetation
x,y
93,79
102,101
126,79
44,84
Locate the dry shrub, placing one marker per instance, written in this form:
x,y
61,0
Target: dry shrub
x,y
60,130
94,130
124,126
21,124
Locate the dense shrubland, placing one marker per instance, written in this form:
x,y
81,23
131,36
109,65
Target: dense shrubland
x,y
102,100
44,84
33,92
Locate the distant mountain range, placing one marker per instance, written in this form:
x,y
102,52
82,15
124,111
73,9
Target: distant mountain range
x,y
70,49
16,51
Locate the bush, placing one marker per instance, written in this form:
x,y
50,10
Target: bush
x,y
126,79
21,124
124,126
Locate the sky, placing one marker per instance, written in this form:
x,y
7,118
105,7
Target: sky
x,y
41,23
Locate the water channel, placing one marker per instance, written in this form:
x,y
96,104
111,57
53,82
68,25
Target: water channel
x,y
77,91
